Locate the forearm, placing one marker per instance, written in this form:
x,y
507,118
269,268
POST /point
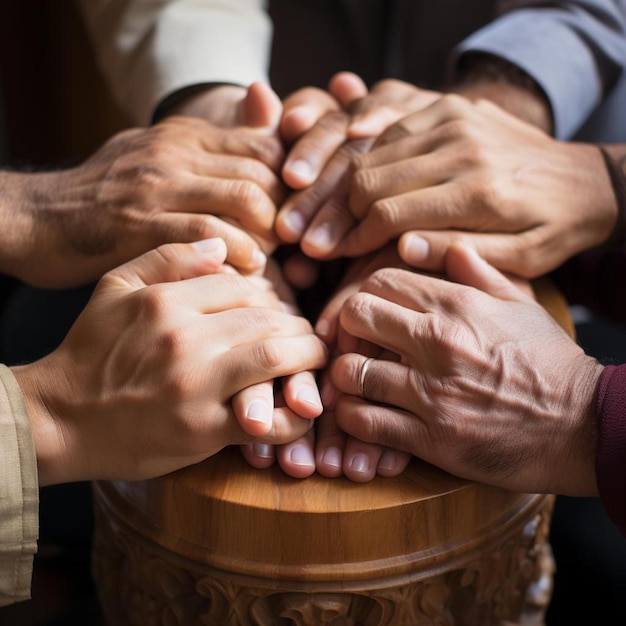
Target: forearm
x,y
482,76
574,51
15,220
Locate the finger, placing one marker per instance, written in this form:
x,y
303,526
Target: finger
x,y
381,383
300,271
393,428
170,262
302,109
261,107
302,395
329,445
393,462
259,454
297,458
233,167
323,237
401,150
259,368
466,266
360,459
297,212
243,252
327,323
223,292
309,156
239,199
254,408
347,87
388,101
443,109
514,253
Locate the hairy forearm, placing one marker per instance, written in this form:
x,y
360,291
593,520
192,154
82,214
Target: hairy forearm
x,y
15,222
491,78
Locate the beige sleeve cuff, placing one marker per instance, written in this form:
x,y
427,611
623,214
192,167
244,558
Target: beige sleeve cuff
x,y
19,493
149,50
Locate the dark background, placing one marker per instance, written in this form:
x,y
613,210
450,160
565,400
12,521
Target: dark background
x,y
55,110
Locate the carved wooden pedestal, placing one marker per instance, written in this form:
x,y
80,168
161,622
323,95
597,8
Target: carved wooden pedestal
x,y
223,544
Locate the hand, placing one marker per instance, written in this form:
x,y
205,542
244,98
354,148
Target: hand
x,y
318,214
488,387
142,384
336,453
453,174
181,180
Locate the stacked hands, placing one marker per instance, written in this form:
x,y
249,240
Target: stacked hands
x,y
192,347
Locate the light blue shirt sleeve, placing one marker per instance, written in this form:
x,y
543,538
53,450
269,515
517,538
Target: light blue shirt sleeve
x,y
575,51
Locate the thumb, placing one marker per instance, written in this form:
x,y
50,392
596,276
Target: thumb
x,y
347,87
464,265
169,263
261,107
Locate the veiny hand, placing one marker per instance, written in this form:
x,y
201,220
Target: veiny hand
x,y
178,181
469,170
142,384
488,386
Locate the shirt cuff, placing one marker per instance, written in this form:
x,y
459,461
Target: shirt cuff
x,y
19,493
552,55
611,445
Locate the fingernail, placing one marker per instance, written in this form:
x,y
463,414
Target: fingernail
x,y
323,236
360,463
295,222
258,412
263,450
302,169
332,457
416,249
310,395
301,455
259,259
388,461
209,246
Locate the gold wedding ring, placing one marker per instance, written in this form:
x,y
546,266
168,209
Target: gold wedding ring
x,y
364,368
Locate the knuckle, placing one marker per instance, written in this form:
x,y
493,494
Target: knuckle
x,y
455,104
247,194
269,355
385,212
154,302
333,122
358,307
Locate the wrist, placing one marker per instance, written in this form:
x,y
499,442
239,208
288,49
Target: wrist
x,y
56,459
578,461
484,76
216,103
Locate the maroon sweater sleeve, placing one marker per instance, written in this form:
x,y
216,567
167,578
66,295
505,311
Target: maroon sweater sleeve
x,y
611,446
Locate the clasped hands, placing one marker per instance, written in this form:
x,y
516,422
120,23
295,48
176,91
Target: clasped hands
x,y
364,169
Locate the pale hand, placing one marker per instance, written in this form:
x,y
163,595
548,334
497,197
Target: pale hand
x,y
142,384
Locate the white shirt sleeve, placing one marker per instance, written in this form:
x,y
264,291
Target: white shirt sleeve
x,y
149,49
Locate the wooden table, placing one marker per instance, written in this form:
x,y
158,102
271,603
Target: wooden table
x,y
221,544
